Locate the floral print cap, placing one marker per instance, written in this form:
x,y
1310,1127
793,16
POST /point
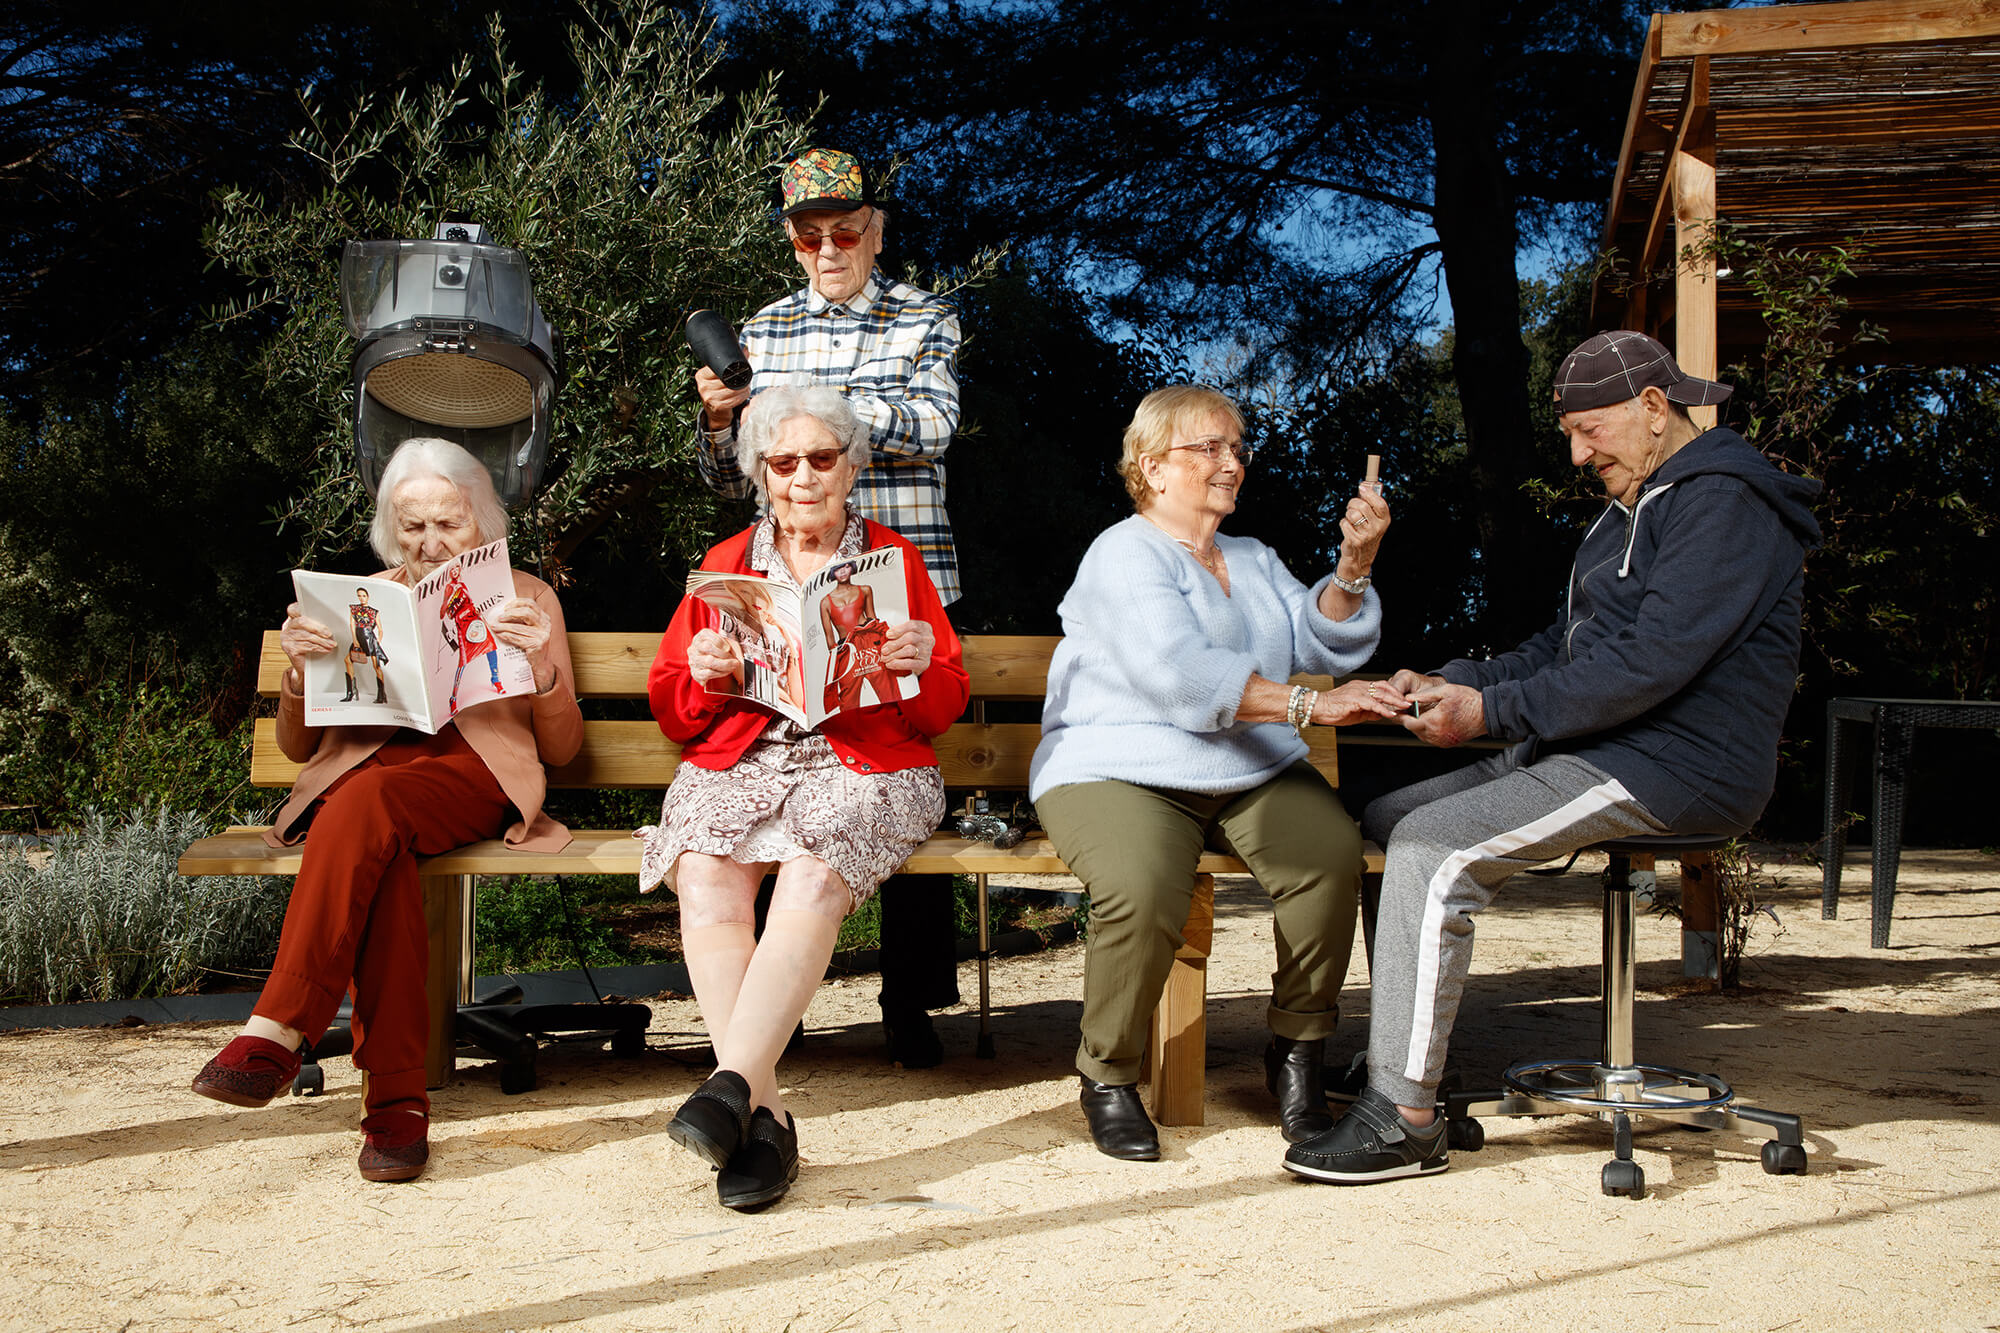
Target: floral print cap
x,y
824,179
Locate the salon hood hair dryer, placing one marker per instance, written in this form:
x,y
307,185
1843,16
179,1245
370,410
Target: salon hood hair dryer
x,y
450,343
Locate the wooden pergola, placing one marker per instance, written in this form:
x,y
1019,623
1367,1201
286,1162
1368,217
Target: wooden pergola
x,y
1873,125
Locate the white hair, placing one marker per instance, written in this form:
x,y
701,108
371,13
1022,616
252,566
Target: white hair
x,y
427,456
772,408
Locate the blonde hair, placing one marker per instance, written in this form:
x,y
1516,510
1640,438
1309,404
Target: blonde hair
x,y
1159,414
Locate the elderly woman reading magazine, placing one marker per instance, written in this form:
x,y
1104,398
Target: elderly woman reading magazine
x,y
834,810
1169,728
370,800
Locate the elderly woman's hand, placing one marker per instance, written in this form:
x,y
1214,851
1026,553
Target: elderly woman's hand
x,y
712,656
1358,701
519,623
301,637
907,648
1361,529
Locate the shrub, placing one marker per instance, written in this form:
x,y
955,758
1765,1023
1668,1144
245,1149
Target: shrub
x,y
527,925
102,915
123,738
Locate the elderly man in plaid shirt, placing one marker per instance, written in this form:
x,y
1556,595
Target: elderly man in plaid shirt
x,y
888,346
892,350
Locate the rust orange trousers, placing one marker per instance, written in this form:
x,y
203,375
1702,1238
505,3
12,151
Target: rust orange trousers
x,y
356,916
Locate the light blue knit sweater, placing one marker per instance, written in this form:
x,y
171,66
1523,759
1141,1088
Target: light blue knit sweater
x,y
1145,684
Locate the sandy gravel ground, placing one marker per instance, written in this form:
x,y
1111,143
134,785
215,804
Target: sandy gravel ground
x,y
968,1197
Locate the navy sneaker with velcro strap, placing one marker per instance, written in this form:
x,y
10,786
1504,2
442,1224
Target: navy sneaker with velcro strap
x,y
1371,1142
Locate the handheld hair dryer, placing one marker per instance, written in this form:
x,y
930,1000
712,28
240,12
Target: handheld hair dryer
x,y
714,342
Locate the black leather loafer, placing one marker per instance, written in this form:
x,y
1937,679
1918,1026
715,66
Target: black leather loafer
x,y
764,1168
1293,1073
712,1122
1119,1125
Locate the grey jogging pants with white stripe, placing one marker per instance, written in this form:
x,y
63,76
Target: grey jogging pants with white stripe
x,y
1452,842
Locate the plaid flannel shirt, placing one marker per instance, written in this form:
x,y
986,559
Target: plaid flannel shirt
x,y
892,350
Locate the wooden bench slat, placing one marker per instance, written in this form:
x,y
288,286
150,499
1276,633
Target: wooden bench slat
x,y
242,851
614,665
636,754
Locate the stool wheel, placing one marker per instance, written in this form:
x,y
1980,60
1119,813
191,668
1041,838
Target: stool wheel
x,y
1465,1135
517,1078
310,1081
628,1041
1784,1159
1624,1177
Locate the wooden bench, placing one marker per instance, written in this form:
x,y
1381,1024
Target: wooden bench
x,y
974,756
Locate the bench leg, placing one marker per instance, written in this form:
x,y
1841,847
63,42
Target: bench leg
x,y
448,979
1701,917
1177,1046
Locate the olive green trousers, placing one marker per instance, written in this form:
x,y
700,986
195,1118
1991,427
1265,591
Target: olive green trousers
x,y
1135,849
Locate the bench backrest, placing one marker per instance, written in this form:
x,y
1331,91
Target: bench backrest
x,y
973,754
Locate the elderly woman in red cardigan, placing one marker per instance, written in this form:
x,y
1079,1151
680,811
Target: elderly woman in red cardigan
x,y
834,810
370,800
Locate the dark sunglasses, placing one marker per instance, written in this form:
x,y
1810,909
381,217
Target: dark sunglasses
x,y
822,460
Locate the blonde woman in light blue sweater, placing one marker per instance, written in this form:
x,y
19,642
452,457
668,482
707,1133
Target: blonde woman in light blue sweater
x,y
1169,728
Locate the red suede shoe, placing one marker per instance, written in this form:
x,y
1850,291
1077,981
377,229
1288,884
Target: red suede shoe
x,y
397,1153
250,1071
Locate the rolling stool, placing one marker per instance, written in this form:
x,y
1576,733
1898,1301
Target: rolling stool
x,y
1613,1087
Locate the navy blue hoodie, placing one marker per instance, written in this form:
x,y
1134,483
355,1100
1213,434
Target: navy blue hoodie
x,y
1676,660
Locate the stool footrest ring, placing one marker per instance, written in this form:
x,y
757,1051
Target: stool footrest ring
x,y
1582,1083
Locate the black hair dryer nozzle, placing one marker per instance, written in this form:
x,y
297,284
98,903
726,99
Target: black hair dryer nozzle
x,y
714,342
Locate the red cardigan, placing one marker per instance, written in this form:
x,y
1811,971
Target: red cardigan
x,y
715,729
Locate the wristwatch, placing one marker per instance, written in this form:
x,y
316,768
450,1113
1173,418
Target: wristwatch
x,y
1355,586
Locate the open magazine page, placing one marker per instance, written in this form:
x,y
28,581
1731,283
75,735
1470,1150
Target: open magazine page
x,y
373,676
411,657
849,607
763,619
464,663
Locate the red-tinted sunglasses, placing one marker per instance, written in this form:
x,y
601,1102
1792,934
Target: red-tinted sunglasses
x,y
822,460
809,242
845,238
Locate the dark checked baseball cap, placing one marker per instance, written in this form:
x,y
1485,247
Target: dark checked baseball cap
x,y
1613,367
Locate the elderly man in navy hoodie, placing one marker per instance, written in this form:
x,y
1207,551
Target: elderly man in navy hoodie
x,y
1653,705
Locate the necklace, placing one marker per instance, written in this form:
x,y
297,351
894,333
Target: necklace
x,y
1207,562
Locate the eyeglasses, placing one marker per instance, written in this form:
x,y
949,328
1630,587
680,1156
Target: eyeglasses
x,y
822,460
809,242
845,238
1213,450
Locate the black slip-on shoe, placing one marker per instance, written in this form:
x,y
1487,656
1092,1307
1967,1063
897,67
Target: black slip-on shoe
x,y
763,1169
1293,1074
712,1122
1119,1125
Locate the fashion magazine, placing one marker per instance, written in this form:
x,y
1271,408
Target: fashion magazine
x,y
411,657
816,651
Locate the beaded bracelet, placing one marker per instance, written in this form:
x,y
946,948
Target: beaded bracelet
x,y
1299,707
